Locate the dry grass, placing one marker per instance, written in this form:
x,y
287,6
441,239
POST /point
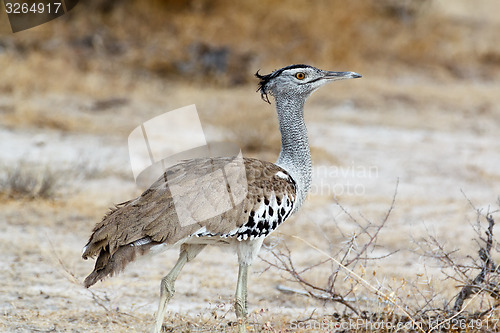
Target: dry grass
x,y
192,41
29,182
348,273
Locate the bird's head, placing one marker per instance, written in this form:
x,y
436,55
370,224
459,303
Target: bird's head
x,y
298,80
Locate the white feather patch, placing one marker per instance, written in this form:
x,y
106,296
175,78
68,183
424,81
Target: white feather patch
x,y
141,241
282,175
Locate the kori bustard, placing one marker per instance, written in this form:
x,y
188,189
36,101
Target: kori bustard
x,y
274,192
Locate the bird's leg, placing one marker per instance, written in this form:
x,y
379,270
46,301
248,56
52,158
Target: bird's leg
x,y
241,297
247,252
167,290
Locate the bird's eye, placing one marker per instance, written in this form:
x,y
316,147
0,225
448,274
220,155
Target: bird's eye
x,y
300,76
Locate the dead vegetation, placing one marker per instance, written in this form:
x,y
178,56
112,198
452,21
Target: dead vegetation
x,y
477,275
358,248
29,182
188,41
370,303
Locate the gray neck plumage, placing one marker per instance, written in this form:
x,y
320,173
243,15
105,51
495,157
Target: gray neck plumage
x,y
295,155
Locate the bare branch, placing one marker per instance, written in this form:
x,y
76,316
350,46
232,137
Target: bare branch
x,y
478,283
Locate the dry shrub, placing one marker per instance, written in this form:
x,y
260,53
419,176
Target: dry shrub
x,y
28,180
223,43
24,181
416,305
348,261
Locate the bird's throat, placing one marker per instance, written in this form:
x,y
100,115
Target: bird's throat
x,y
295,154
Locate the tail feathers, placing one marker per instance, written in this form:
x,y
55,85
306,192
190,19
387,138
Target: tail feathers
x,y
94,248
109,265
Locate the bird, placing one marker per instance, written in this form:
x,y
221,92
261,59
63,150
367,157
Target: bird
x,y
272,193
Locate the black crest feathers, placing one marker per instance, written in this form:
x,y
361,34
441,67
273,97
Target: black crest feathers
x,y
264,80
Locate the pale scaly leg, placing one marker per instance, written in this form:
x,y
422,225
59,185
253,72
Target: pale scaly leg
x,y
241,305
247,252
167,290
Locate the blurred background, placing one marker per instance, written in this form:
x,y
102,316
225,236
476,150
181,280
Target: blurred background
x,y
425,114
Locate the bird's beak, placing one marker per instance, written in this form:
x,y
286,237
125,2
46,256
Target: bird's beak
x,y
340,75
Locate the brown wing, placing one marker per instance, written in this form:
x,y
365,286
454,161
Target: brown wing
x,y
201,197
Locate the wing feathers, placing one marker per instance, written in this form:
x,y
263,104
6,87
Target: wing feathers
x,y
172,210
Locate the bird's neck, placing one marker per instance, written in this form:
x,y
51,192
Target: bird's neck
x,y
295,155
